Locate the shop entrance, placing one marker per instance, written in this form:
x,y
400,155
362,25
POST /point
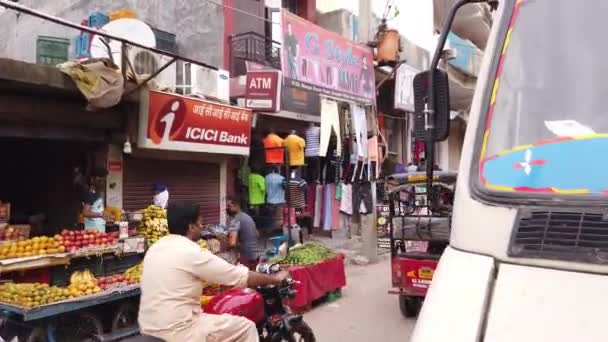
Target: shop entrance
x,y
185,180
37,176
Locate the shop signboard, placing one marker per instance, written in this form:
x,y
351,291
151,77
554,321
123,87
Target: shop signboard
x,y
296,103
300,100
178,123
263,90
324,62
404,87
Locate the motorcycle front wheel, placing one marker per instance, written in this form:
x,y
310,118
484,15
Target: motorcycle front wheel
x,y
301,332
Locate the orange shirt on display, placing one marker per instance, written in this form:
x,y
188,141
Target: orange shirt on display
x,y
275,155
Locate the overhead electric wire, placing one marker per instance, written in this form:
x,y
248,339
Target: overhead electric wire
x,y
243,12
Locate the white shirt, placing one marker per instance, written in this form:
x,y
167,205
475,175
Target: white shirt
x,y
171,283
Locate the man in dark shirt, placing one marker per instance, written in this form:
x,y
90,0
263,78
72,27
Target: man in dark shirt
x,y
242,233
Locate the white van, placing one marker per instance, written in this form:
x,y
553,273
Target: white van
x,y
528,255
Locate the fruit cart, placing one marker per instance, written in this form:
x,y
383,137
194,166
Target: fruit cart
x,y
73,286
419,229
79,284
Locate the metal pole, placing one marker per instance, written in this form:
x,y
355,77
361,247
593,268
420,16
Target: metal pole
x,y
367,222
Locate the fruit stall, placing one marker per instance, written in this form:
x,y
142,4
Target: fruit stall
x,y
78,283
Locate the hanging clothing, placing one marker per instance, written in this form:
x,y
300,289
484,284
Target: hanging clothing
x,y
275,188
330,119
339,191
295,146
373,165
311,193
313,169
257,189
313,139
335,210
362,200
318,206
257,157
274,155
360,125
328,197
297,188
346,204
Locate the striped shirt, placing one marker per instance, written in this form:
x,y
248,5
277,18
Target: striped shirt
x,y
313,137
297,187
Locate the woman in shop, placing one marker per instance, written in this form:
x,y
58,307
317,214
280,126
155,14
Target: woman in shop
x,y
93,210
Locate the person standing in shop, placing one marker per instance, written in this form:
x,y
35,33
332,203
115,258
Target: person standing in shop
x,y
93,210
242,233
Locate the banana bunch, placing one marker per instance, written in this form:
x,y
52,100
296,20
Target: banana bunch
x,y
134,273
83,283
154,224
82,277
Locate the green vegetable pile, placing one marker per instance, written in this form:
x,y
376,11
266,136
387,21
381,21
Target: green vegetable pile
x,y
307,254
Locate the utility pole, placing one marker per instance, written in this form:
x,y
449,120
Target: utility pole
x,y
367,223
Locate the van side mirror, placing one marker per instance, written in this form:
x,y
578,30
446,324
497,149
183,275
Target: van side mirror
x,y
442,105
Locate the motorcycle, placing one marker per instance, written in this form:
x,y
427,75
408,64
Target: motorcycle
x,y
264,306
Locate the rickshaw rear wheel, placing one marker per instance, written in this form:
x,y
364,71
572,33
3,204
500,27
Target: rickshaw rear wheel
x,y
409,306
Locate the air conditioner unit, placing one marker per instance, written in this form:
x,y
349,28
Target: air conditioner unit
x,y
210,83
146,62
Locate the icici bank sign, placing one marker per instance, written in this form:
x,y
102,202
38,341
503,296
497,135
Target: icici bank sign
x,y
178,123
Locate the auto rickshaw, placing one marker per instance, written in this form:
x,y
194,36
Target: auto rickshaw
x,y
419,229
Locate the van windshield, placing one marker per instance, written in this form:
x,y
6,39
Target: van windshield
x,y
547,124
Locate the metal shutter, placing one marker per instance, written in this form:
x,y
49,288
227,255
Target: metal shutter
x,y
186,180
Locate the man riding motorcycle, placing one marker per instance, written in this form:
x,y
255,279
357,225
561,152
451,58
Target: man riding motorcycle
x,y
171,285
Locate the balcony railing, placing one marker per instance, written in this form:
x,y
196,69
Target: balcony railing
x,y
255,48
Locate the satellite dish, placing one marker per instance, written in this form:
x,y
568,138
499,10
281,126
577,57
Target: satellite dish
x,y
131,29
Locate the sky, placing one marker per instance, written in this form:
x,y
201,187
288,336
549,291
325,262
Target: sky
x,y
415,20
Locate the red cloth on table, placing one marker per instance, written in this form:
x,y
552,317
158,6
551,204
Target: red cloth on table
x,y
317,280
